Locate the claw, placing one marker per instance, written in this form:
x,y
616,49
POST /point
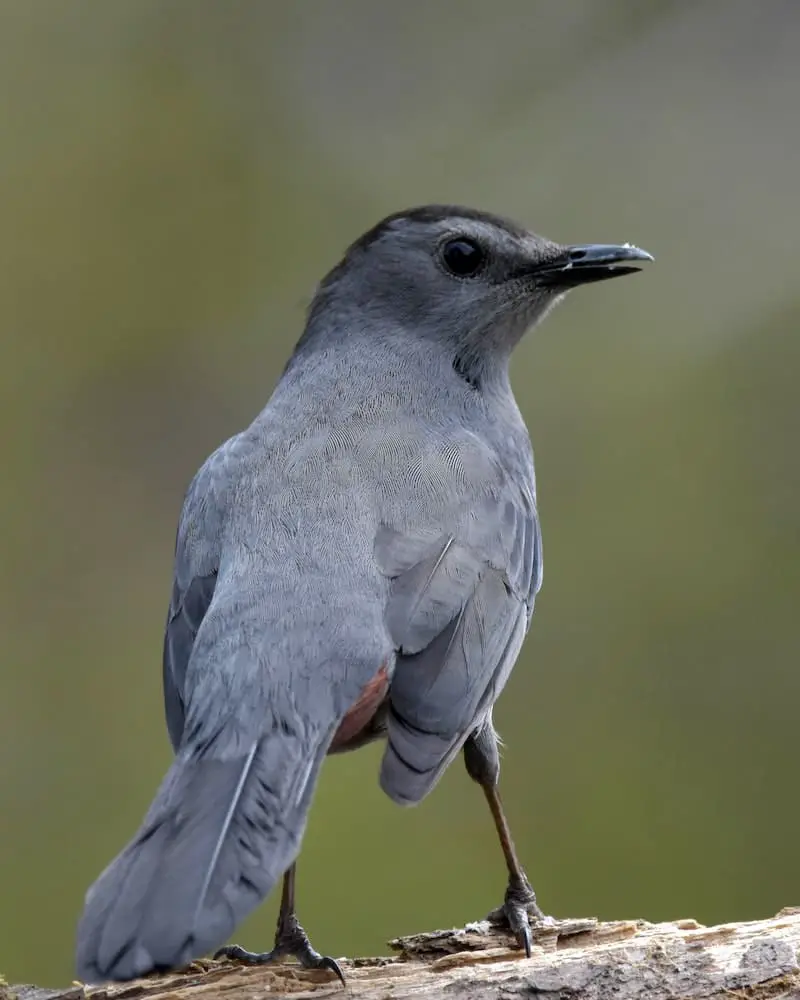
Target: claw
x,y
527,940
519,905
332,965
291,941
517,918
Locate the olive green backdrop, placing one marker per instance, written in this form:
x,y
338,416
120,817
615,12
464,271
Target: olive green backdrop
x,y
174,179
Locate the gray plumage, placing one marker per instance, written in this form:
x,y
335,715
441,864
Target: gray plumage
x,y
380,513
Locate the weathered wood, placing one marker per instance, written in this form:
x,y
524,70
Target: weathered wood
x,y
575,959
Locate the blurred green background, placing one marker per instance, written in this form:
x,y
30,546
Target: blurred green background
x,y
174,179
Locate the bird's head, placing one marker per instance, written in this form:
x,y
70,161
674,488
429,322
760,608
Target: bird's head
x,y
470,280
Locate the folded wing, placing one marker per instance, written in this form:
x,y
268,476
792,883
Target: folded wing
x,y
459,608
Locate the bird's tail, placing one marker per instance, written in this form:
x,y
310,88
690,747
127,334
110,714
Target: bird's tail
x,y
220,833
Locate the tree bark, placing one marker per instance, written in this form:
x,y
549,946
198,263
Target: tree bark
x,y
575,959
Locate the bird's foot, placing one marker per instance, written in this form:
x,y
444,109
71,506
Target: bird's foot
x,y
292,941
519,905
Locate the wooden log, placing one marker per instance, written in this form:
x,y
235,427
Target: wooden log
x,y
572,960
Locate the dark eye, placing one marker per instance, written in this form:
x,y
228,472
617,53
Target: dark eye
x,y
463,257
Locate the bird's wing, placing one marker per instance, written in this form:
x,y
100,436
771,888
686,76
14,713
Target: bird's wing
x,y
197,553
459,608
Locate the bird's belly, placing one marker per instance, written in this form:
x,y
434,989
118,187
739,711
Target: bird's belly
x,y
366,720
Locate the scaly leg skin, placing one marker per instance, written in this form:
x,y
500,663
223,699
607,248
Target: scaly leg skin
x,y
482,761
290,939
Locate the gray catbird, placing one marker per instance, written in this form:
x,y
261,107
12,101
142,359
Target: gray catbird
x,y
361,562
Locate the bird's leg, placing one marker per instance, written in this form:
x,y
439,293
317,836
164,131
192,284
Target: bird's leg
x,y
483,766
290,938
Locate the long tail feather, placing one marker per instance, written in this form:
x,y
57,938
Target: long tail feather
x,y
219,835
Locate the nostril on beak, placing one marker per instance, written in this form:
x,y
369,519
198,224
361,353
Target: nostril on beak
x,y
577,254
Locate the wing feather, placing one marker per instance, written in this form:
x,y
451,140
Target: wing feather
x,y
459,608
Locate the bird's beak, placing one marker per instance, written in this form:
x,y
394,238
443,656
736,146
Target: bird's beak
x,y
579,265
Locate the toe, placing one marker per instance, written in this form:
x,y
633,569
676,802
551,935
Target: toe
x,y
237,954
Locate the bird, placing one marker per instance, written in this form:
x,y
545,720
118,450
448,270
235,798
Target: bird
x,y
361,563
